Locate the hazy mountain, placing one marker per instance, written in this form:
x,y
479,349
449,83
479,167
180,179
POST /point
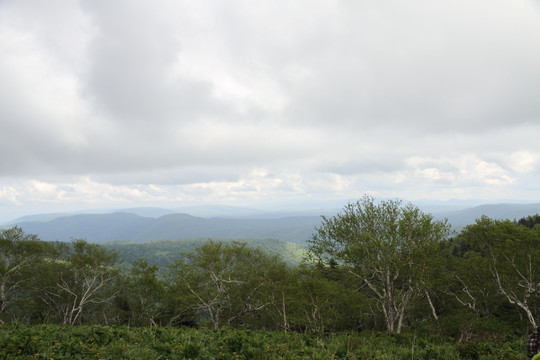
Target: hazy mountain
x,y
153,212
92,227
221,211
494,211
211,211
144,224
132,227
436,207
36,217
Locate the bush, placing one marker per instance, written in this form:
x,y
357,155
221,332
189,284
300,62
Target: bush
x,y
90,342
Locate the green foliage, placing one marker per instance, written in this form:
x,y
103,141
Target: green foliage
x,y
372,259
104,342
20,254
78,279
390,247
144,294
227,282
532,222
165,252
510,257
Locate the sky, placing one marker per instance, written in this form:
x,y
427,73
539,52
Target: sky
x,y
180,102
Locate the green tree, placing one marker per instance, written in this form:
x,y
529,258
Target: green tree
x,y
383,244
279,291
225,282
325,299
510,254
466,277
532,222
146,293
77,279
19,253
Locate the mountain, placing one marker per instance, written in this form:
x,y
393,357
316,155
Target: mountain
x,y
211,211
145,224
127,226
223,211
92,227
153,212
36,217
460,218
164,252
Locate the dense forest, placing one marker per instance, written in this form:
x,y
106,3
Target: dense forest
x,y
165,252
376,265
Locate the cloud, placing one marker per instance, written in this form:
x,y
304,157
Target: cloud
x,y
190,100
524,162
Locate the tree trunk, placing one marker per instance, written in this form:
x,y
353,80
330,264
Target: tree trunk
x,y
433,311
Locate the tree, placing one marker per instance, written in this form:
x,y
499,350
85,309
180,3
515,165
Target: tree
x,y
511,254
469,282
77,279
146,293
384,245
226,282
324,299
18,253
532,222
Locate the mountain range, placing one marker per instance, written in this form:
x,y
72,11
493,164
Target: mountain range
x,y
128,226
220,222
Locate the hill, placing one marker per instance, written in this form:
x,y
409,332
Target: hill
x,y
145,224
468,216
101,228
165,252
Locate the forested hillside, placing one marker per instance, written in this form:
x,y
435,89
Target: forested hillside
x,y
164,252
382,266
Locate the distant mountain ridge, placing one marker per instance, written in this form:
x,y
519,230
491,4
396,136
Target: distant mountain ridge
x,y
127,226
146,224
495,211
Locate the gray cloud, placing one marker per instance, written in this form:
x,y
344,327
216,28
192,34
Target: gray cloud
x,y
131,59
431,99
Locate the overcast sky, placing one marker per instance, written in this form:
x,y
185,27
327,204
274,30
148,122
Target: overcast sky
x,y
170,103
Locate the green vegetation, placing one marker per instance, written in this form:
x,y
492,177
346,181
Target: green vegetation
x,y
165,252
374,268
390,248
532,222
112,342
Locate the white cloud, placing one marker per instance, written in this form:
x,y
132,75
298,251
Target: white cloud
x,y
8,195
524,162
135,102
